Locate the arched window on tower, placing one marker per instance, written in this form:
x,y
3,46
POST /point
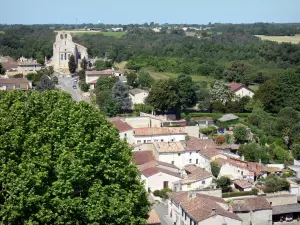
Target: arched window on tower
x,y
62,57
61,36
65,56
66,36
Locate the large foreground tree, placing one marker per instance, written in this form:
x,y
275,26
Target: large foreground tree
x,y
63,163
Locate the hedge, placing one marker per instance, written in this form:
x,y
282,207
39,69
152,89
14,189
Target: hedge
x,y
214,116
237,194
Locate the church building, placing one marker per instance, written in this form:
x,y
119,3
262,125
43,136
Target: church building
x,y
63,48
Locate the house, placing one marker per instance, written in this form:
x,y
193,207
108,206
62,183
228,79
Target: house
x,y
241,90
155,174
186,208
255,211
153,218
8,63
125,130
243,185
238,169
138,96
159,134
91,77
28,65
15,84
195,178
284,206
195,151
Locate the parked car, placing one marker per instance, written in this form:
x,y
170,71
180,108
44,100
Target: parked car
x,y
289,218
74,86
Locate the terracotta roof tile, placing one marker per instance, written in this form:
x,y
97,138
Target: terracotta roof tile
x,y
200,207
195,174
168,146
99,73
149,131
198,144
243,183
121,126
142,157
14,81
209,153
234,86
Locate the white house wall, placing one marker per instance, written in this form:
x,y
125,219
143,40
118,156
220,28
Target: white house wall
x,y
233,172
262,217
244,92
194,186
128,136
159,138
138,98
156,182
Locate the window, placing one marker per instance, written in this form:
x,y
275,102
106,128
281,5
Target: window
x,y
191,222
238,171
166,184
65,43
190,153
125,134
172,162
190,161
66,35
196,161
172,139
162,140
179,154
65,56
17,86
62,57
203,182
144,141
182,213
185,216
242,172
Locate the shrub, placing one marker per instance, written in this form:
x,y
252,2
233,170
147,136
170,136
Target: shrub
x,y
220,139
162,193
255,191
84,86
209,130
237,194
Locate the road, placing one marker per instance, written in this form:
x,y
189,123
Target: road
x,y
162,210
66,84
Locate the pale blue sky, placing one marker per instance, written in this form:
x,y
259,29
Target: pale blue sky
x,y
140,11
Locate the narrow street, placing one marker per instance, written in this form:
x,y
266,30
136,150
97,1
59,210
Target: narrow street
x,y
162,211
66,84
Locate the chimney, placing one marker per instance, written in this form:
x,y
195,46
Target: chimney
x,y
191,194
213,211
243,158
259,161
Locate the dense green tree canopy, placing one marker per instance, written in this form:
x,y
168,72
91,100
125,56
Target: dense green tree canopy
x,y
72,64
63,163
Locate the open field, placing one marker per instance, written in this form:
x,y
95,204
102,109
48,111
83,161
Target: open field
x,y
92,32
254,87
167,75
291,39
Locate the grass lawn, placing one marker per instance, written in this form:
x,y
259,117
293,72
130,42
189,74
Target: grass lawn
x,y
92,32
254,87
292,39
167,75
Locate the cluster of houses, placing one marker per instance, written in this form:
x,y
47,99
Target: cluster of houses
x,y
170,154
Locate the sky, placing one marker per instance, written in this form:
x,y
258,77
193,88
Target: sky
x,y
141,11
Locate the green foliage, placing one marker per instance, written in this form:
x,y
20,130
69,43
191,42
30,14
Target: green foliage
x,y
120,95
253,152
84,86
273,183
31,76
45,84
221,92
84,64
72,64
281,155
20,75
296,151
237,194
215,168
62,163
224,183
2,70
173,94
102,65
240,133
41,61
209,130
162,193
138,108
81,75
132,79
255,191
144,79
